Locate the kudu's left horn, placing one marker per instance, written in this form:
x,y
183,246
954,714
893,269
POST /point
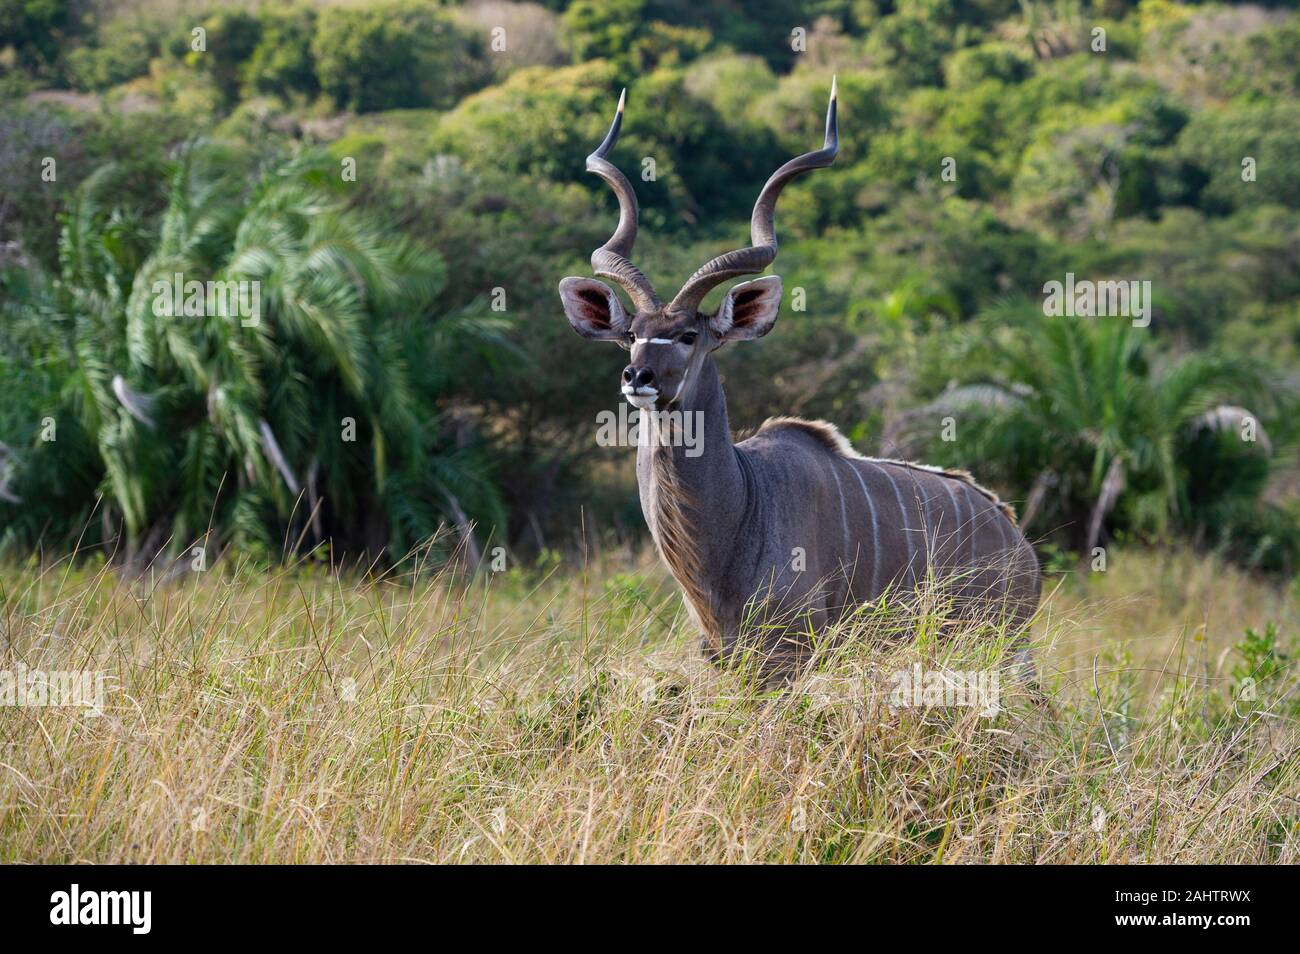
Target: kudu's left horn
x,y
611,259
762,230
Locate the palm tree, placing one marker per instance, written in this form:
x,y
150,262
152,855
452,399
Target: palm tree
x,y
318,420
1083,420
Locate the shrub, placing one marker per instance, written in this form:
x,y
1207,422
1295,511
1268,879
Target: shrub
x,y
230,38
1004,62
33,28
282,62
123,52
539,121
1215,143
394,56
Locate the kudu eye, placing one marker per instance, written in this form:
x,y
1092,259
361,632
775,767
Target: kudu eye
x,y
687,337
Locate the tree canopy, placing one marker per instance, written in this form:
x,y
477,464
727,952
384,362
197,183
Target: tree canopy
x,y
404,183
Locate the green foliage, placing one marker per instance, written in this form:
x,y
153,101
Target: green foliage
x,y
1206,271
122,52
913,42
625,33
986,147
601,30
1003,62
394,55
1216,145
230,37
33,29
282,63
1263,662
1265,64
1095,431
730,83
538,121
239,416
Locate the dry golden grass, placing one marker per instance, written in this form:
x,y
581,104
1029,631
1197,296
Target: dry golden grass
x,y
566,717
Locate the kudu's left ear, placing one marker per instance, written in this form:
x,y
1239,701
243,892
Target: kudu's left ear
x,y
593,309
748,310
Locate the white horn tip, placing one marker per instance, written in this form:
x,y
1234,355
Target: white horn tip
x,y
834,86
622,99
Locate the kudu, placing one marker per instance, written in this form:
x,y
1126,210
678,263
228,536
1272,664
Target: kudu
x,y
778,537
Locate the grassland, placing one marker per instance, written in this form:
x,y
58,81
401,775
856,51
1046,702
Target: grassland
x,y
562,714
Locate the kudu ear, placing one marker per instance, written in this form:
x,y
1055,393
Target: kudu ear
x,y
748,310
593,309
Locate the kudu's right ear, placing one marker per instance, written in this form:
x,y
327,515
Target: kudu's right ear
x,y
593,309
748,310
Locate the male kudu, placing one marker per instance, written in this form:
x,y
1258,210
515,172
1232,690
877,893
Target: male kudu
x,y
785,533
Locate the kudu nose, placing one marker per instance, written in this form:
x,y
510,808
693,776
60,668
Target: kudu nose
x,y
638,377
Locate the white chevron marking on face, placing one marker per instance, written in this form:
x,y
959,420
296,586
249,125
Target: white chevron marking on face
x,y
654,341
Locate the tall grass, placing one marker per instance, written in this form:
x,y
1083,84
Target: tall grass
x,y
565,715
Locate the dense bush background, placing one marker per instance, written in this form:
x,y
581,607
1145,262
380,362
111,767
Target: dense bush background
x,y
923,291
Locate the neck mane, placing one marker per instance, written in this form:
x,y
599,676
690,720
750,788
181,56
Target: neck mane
x,y
694,497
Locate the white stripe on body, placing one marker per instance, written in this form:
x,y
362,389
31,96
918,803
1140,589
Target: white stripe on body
x,y
875,532
956,507
906,529
844,513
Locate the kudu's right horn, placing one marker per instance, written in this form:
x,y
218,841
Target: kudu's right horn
x,y
762,231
